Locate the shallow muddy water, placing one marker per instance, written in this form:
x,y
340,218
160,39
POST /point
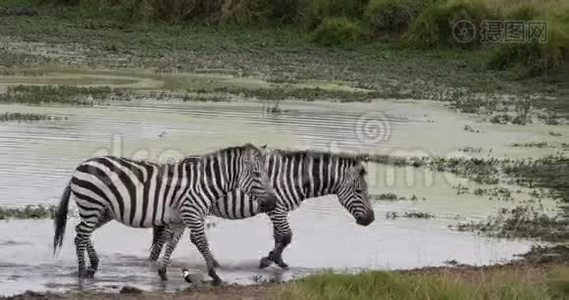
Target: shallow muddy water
x,y
37,159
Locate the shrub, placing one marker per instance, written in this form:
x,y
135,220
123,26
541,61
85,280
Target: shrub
x,y
176,11
336,31
391,16
318,10
535,58
287,11
215,11
434,26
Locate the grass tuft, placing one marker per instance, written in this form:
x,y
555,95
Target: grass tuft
x,y
336,32
403,286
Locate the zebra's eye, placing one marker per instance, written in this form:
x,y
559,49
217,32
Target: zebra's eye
x,y
359,191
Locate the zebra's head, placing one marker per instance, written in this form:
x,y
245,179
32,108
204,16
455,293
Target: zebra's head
x,y
353,195
254,178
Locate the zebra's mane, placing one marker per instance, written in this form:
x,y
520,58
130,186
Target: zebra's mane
x,y
313,154
238,149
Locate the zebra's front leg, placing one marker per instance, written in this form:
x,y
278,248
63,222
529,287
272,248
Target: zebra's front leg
x,y
174,234
199,239
283,236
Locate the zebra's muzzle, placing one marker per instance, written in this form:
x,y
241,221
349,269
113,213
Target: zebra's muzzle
x,y
366,218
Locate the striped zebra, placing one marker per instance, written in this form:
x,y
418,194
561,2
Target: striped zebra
x,y
144,194
295,176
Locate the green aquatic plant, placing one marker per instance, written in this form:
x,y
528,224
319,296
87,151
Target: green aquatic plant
x,y
520,222
63,94
28,212
27,117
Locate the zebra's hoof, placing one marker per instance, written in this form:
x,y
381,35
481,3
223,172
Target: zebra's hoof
x,y
215,264
216,281
162,274
282,264
265,262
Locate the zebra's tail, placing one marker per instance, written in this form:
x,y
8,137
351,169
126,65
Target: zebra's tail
x,y
60,220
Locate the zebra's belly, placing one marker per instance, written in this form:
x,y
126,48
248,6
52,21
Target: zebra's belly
x,y
170,216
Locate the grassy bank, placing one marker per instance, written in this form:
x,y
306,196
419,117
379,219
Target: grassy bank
x,y
498,284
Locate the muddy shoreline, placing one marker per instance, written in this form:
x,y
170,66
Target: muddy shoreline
x,y
533,265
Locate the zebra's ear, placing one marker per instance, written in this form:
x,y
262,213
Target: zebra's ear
x,y
358,171
264,147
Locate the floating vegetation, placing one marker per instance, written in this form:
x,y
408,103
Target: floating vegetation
x,y
394,197
531,144
470,129
27,117
520,222
553,133
469,149
205,98
550,172
28,212
461,189
306,94
547,254
500,119
483,171
63,94
496,193
385,197
409,214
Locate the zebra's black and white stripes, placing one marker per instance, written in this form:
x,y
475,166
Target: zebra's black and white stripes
x,y
144,194
296,176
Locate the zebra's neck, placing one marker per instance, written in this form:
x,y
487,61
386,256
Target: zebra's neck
x,y
303,175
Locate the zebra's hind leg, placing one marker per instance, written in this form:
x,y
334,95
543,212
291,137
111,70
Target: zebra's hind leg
x,y
93,257
174,234
283,236
82,242
160,235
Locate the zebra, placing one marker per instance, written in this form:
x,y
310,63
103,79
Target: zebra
x,y
145,194
295,176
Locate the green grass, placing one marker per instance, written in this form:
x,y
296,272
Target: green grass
x,y
487,285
